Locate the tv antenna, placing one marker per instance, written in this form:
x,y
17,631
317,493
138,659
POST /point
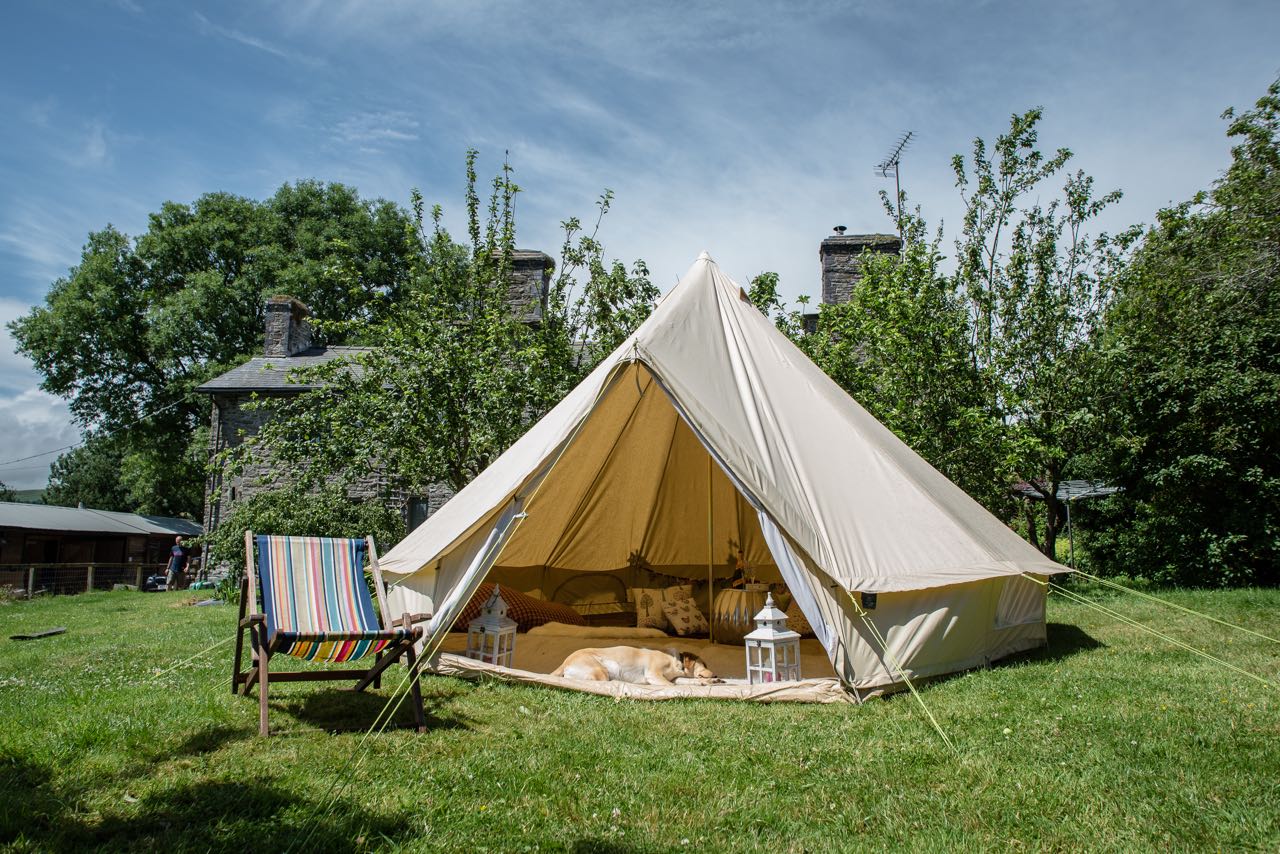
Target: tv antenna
x,y
890,167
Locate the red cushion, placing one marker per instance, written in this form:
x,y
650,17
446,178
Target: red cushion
x,y
525,610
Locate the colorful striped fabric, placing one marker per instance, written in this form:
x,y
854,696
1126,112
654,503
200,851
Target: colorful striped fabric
x,y
316,601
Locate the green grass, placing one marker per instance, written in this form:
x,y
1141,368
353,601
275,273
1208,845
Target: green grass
x,y
1110,740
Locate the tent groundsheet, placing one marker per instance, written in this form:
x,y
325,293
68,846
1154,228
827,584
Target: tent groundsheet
x,y
539,653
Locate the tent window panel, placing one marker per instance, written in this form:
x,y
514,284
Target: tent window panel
x,y
1021,602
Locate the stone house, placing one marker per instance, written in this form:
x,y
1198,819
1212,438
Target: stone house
x,y
287,345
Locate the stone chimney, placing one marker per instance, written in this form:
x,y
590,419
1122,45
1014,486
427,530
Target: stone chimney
x,y
288,330
529,284
841,265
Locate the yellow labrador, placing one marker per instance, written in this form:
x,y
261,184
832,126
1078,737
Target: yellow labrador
x,y
628,664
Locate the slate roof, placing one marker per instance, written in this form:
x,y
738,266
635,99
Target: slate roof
x,y
270,373
45,517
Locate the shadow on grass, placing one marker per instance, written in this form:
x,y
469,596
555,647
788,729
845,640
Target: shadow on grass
x,y
604,846
1065,640
336,710
207,816
206,741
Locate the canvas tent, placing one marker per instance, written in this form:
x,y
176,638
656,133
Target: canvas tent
x,y
707,431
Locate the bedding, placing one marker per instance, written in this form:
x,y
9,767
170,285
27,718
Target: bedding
x,y
608,632
524,609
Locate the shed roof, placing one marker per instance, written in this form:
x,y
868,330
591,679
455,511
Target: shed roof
x,y
271,373
46,517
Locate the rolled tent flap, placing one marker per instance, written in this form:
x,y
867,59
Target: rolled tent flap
x,y
482,561
797,578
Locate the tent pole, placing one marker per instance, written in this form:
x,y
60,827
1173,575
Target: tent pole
x,y
711,623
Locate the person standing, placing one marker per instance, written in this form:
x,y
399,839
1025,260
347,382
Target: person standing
x,y
178,558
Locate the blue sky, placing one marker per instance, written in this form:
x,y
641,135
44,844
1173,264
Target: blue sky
x,y
746,129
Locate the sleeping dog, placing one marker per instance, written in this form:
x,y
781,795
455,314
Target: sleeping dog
x,y
628,664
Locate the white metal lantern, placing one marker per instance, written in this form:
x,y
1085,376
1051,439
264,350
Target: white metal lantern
x,y
491,636
773,650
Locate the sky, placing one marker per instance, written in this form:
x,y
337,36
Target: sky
x,y
746,129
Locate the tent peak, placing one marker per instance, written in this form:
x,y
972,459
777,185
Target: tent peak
x,y
703,256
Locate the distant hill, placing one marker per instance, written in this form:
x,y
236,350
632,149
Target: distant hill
x,y
30,496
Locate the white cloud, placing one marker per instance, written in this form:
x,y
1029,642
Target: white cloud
x,y
35,422
249,40
372,127
42,238
94,151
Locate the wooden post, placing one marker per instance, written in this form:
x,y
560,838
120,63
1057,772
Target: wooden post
x,y
138,577
88,579
31,581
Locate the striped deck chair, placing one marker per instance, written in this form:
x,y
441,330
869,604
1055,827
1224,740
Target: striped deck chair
x,y
316,606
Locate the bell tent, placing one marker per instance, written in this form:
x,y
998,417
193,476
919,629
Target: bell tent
x,y
707,439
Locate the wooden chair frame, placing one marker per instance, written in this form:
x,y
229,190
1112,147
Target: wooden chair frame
x,y
263,646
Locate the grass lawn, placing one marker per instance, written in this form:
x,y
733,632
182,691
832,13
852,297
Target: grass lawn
x,y
1110,740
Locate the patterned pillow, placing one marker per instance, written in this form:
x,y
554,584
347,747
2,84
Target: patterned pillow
x,y
676,592
685,617
649,608
521,607
798,622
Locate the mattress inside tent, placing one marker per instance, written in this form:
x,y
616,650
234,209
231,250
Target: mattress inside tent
x,y
541,650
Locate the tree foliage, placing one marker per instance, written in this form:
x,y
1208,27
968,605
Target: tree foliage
x,y
137,325
294,512
90,475
984,369
7,494
458,372
1037,286
1193,354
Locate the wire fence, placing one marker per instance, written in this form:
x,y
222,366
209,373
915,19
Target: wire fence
x,y
61,579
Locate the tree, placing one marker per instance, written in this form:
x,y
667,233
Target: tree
x,y
985,371
1193,340
137,325
1037,287
90,475
7,494
457,374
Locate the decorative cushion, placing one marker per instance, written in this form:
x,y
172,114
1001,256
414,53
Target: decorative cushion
x,y
797,622
685,617
524,609
676,592
649,608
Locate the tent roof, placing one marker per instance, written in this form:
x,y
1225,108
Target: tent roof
x,y
865,508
